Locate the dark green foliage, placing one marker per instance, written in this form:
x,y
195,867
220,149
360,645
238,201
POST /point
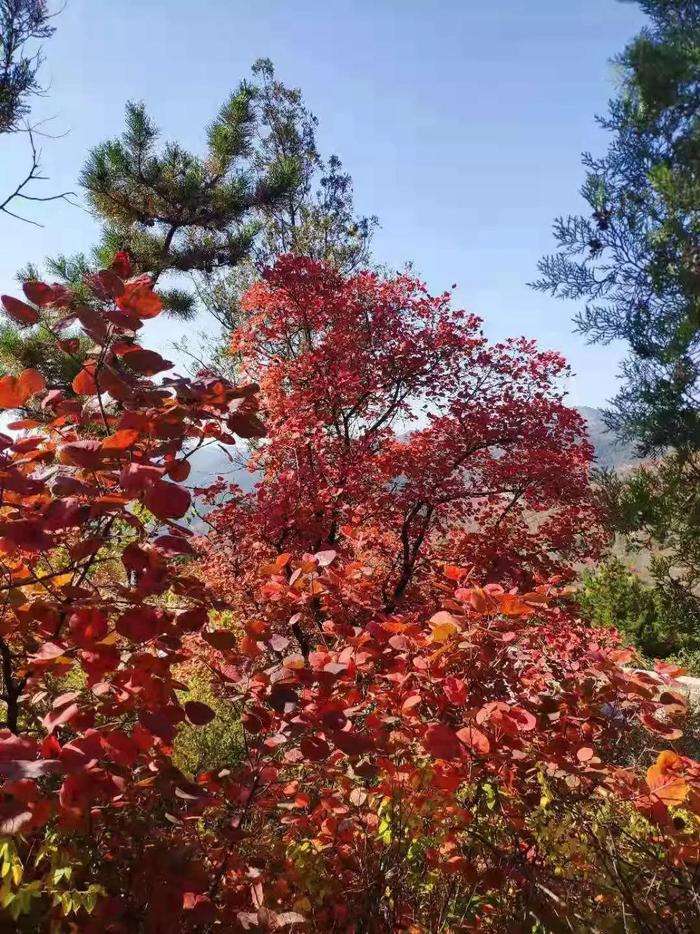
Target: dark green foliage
x,y
315,217
657,509
658,621
174,211
635,257
37,350
21,23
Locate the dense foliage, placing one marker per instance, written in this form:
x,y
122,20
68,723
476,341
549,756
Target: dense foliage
x,y
659,622
488,465
23,26
633,258
450,759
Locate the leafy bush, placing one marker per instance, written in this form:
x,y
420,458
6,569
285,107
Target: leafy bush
x,y
657,620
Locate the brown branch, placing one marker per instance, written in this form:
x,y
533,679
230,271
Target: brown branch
x,y
32,176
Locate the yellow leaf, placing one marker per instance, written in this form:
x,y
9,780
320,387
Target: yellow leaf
x,y
444,626
110,639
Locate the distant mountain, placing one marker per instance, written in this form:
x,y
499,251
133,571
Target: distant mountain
x,y
214,461
611,453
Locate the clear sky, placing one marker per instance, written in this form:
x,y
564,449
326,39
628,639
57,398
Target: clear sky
x,y
461,121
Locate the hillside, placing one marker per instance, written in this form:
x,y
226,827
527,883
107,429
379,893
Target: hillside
x,y
611,453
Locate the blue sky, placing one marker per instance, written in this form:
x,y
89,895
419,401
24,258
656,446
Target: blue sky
x,y
461,121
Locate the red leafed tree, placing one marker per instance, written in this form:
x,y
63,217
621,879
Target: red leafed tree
x,y
426,755
389,414
470,769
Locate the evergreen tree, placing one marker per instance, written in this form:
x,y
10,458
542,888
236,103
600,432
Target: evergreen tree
x,y
315,217
634,258
174,211
23,24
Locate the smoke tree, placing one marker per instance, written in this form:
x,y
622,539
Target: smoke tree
x,y
434,755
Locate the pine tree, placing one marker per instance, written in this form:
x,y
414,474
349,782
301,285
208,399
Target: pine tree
x,y
173,211
634,258
23,24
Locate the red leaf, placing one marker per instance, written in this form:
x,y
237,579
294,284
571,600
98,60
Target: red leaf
x,y
121,264
315,748
246,426
455,691
142,624
167,500
56,718
441,742
192,620
19,311
146,362
119,747
87,627
199,713
221,639
15,816
179,470
39,293
16,747
667,730
173,545
108,283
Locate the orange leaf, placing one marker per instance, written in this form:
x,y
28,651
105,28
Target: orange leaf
x,y
84,384
139,298
443,625
512,605
664,783
475,739
15,390
31,382
121,440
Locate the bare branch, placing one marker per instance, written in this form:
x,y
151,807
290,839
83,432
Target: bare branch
x,y
33,175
